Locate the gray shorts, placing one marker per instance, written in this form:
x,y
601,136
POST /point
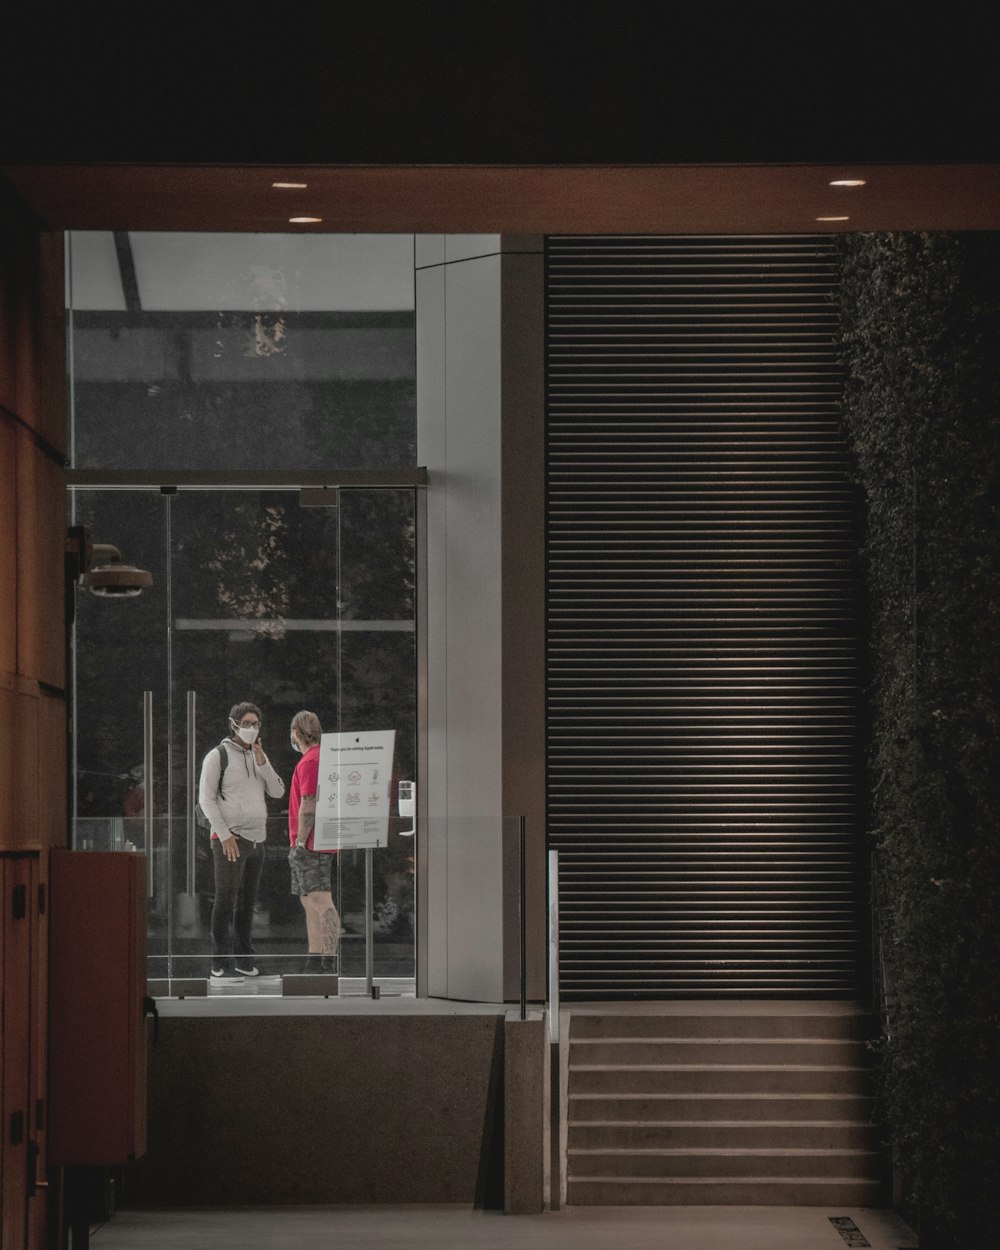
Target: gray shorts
x,y
312,871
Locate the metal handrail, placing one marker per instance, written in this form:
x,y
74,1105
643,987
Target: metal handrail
x,y
522,918
553,994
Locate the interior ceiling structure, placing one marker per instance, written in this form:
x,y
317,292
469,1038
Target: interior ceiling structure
x,y
512,199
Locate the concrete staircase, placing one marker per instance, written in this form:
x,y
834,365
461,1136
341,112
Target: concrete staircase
x,y
716,1103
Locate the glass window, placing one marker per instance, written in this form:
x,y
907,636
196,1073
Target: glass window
x,y
194,351
258,594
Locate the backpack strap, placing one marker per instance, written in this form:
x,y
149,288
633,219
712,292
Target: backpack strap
x,y
223,761
199,812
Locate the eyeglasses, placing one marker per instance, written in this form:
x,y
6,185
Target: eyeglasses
x,y
248,724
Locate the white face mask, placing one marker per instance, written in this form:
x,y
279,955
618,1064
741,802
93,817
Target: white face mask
x,y
248,733
295,745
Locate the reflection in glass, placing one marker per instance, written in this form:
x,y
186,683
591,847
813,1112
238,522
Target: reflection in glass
x,y
227,352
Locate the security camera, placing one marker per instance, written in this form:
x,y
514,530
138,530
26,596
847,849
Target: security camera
x,y
108,578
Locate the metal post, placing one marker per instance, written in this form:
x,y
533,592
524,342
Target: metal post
x,y
554,946
555,1070
192,790
522,910
369,922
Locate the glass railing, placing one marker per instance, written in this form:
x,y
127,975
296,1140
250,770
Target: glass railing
x,y
372,890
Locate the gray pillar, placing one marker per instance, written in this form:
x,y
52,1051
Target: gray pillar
x,y
479,432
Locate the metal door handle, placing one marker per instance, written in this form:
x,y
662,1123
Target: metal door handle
x,y
147,783
192,788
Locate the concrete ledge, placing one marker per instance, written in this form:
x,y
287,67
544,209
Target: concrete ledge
x,y
296,984
330,1108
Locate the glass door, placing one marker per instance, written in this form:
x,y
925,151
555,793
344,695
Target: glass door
x,y
291,601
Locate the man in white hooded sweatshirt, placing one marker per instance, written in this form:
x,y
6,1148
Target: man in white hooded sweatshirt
x,y
233,800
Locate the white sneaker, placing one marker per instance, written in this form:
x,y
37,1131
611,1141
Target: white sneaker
x,y
251,970
222,976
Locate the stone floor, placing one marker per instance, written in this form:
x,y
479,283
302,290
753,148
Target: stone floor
x,y
458,1228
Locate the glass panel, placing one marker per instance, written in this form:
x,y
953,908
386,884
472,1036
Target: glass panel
x,y
287,607
255,618
242,351
120,652
227,353
378,669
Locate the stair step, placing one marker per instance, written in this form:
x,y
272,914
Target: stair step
x,y
711,1050
722,1104
714,1107
729,1163
762,1134
849,1026
785,1191
717,1078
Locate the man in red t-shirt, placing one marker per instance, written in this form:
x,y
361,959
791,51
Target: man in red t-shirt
x,y
312,871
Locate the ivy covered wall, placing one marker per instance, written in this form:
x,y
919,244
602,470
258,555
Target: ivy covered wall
x,y
921,344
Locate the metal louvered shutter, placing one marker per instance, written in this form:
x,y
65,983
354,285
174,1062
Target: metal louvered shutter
x,y
702,598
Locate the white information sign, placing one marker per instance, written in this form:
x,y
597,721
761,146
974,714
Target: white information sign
x,y
352,799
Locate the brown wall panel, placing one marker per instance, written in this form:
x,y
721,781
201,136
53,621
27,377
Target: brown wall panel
x,y
10,287
32,767
24,748
15,1054
97,1070
8,548
48,365
8,762
41,530
33,331
6,348
52,789
32,640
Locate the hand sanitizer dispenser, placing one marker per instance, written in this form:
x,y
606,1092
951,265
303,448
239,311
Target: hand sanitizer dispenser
x,y
408,807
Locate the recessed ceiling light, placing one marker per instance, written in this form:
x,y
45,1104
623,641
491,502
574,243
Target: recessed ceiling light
x,y
848,182
833,219
302,221
290,186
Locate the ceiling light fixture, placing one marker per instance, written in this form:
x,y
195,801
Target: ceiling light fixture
x,y
848,182
290,186
833,219
301,221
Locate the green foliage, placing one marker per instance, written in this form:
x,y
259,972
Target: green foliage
x,y
921,348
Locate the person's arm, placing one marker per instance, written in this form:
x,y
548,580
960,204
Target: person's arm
x,y
307,818
273,785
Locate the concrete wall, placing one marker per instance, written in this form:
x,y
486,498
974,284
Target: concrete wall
x,y
368,1108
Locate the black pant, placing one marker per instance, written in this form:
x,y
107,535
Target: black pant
x,y
236,883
